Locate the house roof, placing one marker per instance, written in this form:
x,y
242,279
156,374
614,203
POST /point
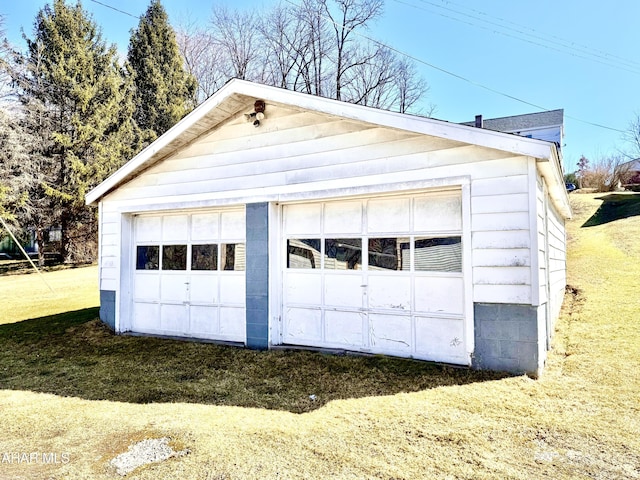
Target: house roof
x,y
236,95
633,165
527,121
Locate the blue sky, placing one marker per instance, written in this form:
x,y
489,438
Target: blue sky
x,y
580,56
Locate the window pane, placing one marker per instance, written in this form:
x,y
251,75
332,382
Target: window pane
x,y
204,257
147,257
439,254
233,256
389,253
174,257
303,253
343,254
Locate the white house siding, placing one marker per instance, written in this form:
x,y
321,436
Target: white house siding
x,y
500,233
109,247
294,153
557,259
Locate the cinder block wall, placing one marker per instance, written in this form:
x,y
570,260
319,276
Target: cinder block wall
x,y
506,338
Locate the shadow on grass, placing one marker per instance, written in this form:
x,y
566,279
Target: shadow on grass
x,y
74,354
614,207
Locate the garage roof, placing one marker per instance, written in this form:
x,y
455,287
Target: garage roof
x,y
236,94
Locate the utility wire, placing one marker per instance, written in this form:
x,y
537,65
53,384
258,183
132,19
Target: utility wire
x,y
561,41
464,79
116,9
427,64
518,36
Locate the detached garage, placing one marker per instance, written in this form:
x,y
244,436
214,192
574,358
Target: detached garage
x,y
268,217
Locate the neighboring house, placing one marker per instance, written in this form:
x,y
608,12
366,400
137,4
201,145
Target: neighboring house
x,y
547,125
10,249
268,217
632,176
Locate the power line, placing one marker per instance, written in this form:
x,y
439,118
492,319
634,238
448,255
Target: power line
x,y
430,65
562,41
565,49
116,9
464,79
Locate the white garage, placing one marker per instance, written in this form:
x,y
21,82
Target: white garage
x,y
381,275
272,218
189,275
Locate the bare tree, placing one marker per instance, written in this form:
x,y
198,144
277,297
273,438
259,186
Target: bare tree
x,y
345,18
201,57
283,32
632,137
606,174
314,47
235,34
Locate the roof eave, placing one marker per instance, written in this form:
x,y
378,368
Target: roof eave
x,y
438,128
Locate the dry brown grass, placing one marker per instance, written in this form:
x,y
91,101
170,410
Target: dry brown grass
x,y
579,421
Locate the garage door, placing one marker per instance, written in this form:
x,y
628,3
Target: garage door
x,y
379,275
189,277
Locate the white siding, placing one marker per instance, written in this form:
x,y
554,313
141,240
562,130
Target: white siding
x,y
500,235
295,153
109,247
557,260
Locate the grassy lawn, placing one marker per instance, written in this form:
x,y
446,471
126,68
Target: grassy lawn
x,y
28,296
69,386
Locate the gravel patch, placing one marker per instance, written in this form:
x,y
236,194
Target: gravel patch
x,y
142,453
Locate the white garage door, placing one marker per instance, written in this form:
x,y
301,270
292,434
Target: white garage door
x,y
378,275
189,277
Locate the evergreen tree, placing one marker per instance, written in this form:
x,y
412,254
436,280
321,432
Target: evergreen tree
x,y
165,92
79,103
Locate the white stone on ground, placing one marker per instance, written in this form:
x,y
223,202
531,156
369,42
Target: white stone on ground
x,y
145,452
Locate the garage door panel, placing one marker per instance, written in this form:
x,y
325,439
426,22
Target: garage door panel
x,y
173,288
204,226
391,279
183,292
174,318
232,323
203,320
175,228
232,224
148,229
232,289
389,215
440,339
146,286
304,288
440,294
304,218
437,213
389,292
203,289
343,290
145,317
390,333
343,217
303,325
344,328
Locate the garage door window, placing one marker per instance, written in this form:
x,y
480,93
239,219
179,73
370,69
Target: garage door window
x,y
343,254
303,253
438,254
233,256
147,257
389,253
204,257
174,257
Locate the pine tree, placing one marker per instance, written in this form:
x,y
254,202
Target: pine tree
x,y
77,99
165,92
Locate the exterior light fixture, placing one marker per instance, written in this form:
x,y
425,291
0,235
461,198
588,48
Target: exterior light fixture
x,y
257,115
